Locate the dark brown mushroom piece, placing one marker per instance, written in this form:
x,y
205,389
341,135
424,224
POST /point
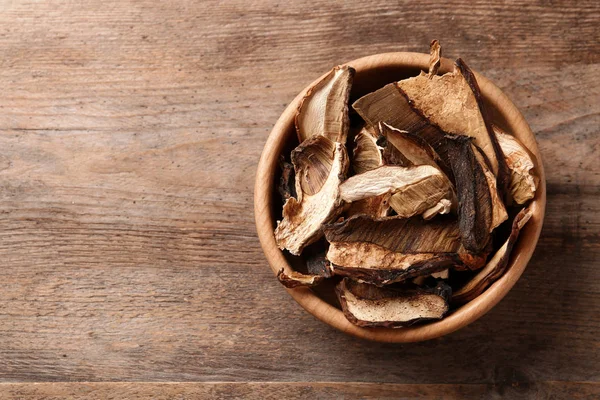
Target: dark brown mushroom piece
x,y
286,187
497,265
394,249
499,214
320,166
324,108
371,306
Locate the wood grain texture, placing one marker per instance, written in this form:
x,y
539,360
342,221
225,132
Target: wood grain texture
x,y
130,132
293,390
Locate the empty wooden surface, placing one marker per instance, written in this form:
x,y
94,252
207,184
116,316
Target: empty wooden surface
x,y
129,137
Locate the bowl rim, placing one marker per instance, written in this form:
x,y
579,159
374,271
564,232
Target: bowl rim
x,y
466,314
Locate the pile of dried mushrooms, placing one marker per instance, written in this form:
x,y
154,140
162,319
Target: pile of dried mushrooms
x,y
420,213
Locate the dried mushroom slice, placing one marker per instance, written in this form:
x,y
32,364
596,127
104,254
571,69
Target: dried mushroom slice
x,y
370,306
475,210
454,103
523,182
417,151
296,279
499,214
375,264
413,148
366,156
496,267
324,108
501,172
435,58
320,167
390,105
286,186
393,179
394,249
413,190
317,264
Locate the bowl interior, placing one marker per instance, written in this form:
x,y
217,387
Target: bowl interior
x,y
372,73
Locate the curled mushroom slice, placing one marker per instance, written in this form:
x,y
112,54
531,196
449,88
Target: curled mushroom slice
x,y
366,154
475,208
523,182
496,267
324,108
320,166
394,249
371,306
414,149
499,214
296,279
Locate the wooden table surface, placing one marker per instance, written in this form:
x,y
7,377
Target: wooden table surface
x,y
130,131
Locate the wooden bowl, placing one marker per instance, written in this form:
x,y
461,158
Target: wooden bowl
x,y
373,72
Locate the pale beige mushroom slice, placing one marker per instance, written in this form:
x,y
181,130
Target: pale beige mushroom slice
x,y
320,166
370,306
324,108
413,190
523,181
366,156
